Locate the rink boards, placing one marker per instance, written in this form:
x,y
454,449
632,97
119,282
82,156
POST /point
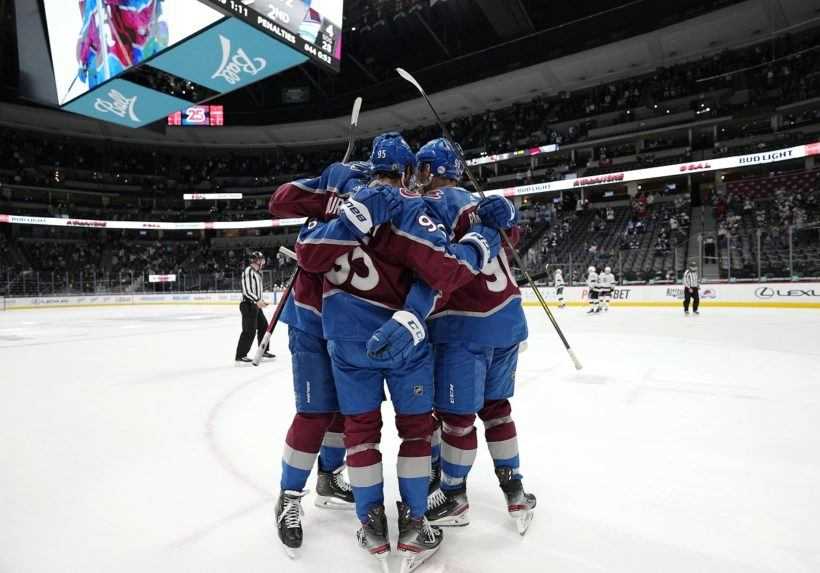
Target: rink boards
x,y
755,295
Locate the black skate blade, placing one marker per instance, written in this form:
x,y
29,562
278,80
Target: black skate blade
x,y
333,503
291,552
412,561
523,523
460,520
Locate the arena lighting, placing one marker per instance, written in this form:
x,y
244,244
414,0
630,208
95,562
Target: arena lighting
x,y
719,164
211,196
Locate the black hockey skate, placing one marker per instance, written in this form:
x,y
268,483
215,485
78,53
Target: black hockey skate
x,y
448,508
373,536
333,491
520,505
289,521
418,540
244,361
268,355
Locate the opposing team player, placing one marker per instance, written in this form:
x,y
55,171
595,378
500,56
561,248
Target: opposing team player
x,y
370,270
559,288
317,428
592,288
606,282
475,333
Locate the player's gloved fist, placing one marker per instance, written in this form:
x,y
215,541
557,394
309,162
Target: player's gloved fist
x,y
498,212
486,240
369,207
397,338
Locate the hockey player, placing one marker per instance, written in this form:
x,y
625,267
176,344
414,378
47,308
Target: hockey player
x,y
592,288
606,281
475,333
369,273
559,287
317,427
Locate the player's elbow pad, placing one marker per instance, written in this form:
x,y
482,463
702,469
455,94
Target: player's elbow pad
x,y
356,217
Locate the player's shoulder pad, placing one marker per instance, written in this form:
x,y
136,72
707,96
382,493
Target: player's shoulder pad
x,y
449,203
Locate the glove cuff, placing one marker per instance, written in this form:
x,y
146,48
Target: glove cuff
x,y
413,325
356,217
480,243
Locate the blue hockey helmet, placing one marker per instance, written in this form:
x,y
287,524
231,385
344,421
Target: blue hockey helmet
x,y
442,159
391,154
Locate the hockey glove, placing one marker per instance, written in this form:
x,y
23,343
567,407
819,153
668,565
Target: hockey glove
x,y
335,178
498,212
397,338
486,240
368,208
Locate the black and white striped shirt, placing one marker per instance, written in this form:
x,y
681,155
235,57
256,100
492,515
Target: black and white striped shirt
x,y
251,284
690,279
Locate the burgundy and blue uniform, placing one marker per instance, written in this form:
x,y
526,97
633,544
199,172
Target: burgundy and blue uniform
x,y
475,333
365,283
317,427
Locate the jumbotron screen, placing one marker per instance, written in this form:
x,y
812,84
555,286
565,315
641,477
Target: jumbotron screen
x,y
93,41
313,27
199,115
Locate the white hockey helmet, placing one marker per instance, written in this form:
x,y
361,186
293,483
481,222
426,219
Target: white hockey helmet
x,y
607,270
591,270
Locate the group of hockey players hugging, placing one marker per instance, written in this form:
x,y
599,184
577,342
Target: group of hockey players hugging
x,y
403,280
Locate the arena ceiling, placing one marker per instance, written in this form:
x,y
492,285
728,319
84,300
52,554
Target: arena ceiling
x,y
445,42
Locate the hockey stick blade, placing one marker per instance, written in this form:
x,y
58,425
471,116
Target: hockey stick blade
x,y
287,252
354,123
406,75
357,108
263,346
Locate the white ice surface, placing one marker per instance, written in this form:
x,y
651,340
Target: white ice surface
x,y
130,443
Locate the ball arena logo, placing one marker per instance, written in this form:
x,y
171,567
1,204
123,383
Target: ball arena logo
x,y
233,66
769,292
695,167
119,104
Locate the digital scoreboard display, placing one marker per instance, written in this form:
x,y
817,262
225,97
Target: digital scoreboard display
x,y
199,115
313,27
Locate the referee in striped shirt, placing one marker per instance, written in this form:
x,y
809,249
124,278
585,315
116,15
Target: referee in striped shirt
x,y
691,288
253,319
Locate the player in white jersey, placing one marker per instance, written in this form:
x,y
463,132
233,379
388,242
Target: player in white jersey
x,y
592,287
559,287
606,280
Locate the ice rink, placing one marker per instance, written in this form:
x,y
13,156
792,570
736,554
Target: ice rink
x,y
130,443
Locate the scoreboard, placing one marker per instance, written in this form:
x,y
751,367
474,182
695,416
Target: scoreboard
x,y
102,51
313,27
199,115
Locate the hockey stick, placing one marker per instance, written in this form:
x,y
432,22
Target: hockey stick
x,y
448,136
280,306
351,143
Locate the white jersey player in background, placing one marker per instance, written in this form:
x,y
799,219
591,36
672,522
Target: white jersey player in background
x,y
559,287
592,287
606,280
